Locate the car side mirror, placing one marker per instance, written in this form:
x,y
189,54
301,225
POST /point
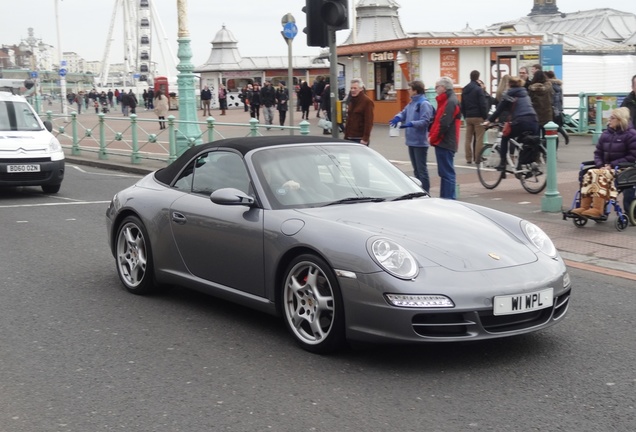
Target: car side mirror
x,y
48,125
231,196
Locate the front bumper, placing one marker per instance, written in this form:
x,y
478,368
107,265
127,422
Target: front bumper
x,y
370,318
51,173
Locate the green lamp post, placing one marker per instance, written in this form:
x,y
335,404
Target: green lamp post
x,y
188,132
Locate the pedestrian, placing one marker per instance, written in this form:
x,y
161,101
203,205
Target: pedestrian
x,y
557,104
268,101
282,102
222,99
359,114
116,96
79,100
517,106
161,105
255,101
523,74
144,96
132,102
541,94
325,106
206,97
415,119
630,102
151,98
110,95
124,100
617,144
444,135
243,98
318,88
305,99
474,108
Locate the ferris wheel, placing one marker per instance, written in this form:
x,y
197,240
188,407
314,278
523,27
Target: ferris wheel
x,y
142,31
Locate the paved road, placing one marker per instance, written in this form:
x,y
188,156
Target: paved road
x,y
596,246
80,354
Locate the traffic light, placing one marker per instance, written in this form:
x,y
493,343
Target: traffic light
x,y
336,14
316,30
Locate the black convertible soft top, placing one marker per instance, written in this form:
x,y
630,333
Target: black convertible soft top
x,y
243,145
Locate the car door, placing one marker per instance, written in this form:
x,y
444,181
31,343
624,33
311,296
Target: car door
x,y
219,243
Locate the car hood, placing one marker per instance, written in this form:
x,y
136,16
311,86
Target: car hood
x,y
16,143
443,232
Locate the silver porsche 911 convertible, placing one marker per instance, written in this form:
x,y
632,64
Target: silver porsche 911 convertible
x,y
339,242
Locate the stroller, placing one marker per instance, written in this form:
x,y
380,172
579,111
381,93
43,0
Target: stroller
x,y
105,107
625,183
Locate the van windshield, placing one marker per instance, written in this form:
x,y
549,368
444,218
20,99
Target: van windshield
x,y
18,116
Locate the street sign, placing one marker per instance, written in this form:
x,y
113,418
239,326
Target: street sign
x,y
136,76
34,74
290,30
62,72
63,63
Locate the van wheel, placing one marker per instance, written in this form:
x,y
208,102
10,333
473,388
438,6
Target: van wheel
x,y
51,188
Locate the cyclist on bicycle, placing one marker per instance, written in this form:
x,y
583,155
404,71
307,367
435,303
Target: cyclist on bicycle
x,y
523,117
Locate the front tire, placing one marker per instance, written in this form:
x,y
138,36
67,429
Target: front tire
x,y
51,188
134,257
312,305
487,164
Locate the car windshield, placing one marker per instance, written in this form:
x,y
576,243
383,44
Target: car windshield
x,y
18,116
319,175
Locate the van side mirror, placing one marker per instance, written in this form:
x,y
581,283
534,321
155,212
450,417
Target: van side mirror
x,y
48,125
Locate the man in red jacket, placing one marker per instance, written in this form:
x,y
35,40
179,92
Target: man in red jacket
x,y
444,135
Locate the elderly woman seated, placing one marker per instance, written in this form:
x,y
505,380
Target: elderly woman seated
x,y
616,145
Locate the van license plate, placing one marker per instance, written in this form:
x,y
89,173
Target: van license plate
x,y
23,168
520,303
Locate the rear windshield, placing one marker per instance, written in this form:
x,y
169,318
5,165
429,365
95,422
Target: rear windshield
x,y
18,116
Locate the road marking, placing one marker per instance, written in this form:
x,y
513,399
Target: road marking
x,y
104,174
54,204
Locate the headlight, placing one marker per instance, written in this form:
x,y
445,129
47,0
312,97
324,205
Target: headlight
x,y
54,145
394,259
539,238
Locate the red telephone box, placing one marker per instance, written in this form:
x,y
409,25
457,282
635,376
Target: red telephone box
x,y
161,83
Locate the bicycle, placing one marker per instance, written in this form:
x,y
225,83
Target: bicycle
x,y
526,160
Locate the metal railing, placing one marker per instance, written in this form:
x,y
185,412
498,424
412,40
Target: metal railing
x,y
129,136
577,119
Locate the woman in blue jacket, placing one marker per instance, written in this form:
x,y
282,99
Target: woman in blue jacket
x,y
414,119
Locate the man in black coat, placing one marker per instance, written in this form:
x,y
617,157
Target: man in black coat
x,y
268,100
630,102
475,111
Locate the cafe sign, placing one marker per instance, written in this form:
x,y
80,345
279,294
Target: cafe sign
x,y
386,56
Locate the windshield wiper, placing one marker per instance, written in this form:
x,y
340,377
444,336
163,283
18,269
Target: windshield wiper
x,y
410,196
354,200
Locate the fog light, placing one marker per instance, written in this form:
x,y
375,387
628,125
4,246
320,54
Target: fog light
x,y
566,280
419,301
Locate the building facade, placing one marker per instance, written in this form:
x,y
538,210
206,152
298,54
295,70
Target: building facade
x,y
226,66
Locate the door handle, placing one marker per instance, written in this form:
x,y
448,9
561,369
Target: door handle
x,y
178,218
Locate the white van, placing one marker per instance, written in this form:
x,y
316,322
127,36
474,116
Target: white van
x,y
29,154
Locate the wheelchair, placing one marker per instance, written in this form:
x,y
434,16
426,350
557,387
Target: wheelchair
x,y
625,183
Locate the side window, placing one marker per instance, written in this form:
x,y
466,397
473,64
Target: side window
x,y
215,170
233,173
205,178
185,180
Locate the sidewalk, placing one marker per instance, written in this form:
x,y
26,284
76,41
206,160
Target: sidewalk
x,y
597,246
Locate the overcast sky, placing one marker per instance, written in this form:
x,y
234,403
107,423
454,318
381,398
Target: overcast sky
x,y
255,24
